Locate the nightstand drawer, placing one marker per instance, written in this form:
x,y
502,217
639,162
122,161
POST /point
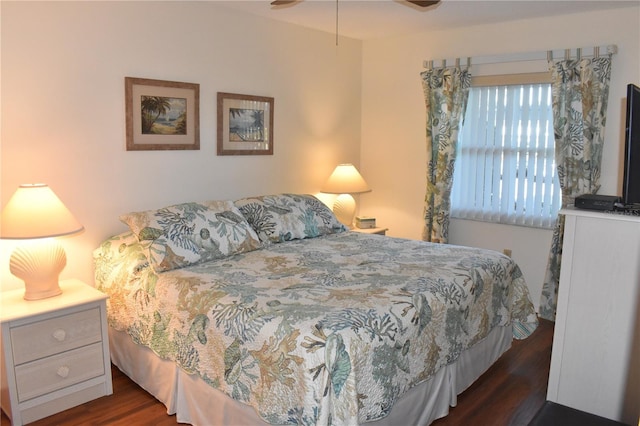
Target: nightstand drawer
x,y
59,371
54,335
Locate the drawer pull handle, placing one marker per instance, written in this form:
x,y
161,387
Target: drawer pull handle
x,y
59,335
63,371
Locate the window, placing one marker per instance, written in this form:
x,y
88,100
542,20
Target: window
x,y
505,170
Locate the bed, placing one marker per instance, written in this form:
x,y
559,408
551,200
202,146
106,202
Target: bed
x,y
266,310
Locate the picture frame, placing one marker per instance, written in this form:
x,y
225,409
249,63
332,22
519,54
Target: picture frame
x,y
245,124
162,115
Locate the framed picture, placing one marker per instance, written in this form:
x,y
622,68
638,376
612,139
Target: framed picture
x,y
245,124
162,114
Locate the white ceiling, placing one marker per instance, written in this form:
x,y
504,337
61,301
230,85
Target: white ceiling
x,y
369,19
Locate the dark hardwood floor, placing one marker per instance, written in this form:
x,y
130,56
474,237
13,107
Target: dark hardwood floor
x,y
508,394
512,390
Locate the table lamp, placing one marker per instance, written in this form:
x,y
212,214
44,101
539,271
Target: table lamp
x,y
35,213
345,180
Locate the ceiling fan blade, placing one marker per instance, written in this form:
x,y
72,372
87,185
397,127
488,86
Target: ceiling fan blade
x,y
425,3
283,2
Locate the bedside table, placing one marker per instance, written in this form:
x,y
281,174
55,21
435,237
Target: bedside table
x,y
55,351
379,231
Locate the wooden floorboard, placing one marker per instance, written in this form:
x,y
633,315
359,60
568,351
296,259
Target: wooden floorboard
x,y
508,394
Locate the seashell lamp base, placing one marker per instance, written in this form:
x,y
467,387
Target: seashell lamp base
x,y
344,208
39,263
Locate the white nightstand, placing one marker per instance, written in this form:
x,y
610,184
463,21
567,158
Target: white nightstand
x,y
379,231
55,351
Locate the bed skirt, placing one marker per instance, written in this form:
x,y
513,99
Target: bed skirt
x,y
195,402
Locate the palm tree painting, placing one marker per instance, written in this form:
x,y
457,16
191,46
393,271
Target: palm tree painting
x,y
163,116
246,125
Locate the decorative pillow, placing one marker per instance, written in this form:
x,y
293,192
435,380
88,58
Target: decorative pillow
x,y
116,246
285,217
190,233
117,255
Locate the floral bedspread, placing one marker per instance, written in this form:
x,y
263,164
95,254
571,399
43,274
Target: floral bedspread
x,y
329,330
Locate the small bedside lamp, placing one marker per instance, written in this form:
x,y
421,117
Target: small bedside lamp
x,y
345,180
35,213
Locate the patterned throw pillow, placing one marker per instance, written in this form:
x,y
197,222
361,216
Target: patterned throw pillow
x,y
285,217
190,233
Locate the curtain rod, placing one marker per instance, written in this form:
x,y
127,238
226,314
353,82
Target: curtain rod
x,y
530,56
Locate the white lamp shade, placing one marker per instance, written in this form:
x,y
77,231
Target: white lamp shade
x,y
345,179
34,211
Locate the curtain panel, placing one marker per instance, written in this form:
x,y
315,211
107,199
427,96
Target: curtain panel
x,y
580,91
446,91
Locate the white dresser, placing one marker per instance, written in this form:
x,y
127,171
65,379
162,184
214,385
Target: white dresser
x,y
595,361
55,351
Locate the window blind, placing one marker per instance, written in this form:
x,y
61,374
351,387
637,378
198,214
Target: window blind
x,y
505,170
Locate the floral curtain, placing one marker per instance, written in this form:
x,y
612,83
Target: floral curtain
x,y
446,91
580,92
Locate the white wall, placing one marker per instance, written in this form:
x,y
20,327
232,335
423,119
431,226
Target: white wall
x,y
63,69
393,111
